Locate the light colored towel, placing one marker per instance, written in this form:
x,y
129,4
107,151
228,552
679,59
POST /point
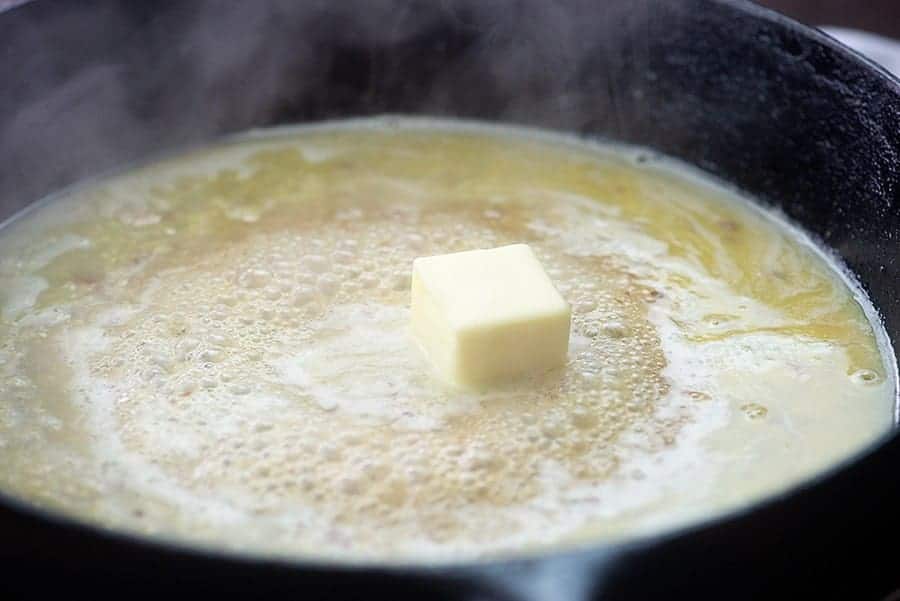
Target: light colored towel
x,y
882,50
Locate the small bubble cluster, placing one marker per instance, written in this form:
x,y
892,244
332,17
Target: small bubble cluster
x,y
249,372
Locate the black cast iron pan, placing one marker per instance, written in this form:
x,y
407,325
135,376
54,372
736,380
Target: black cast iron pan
x,y
777,109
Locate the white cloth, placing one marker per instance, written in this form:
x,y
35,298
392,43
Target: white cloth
x,y
882,50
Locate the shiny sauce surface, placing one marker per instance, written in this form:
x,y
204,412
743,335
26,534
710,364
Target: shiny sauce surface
x,y
215,348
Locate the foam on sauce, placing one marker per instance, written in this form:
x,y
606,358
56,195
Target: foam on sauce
x,y
214,348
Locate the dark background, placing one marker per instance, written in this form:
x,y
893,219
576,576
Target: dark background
x,y
879,16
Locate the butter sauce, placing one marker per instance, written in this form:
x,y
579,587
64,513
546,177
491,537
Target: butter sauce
x,y
213,348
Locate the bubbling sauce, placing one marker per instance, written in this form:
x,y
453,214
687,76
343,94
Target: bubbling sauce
x,y
214,348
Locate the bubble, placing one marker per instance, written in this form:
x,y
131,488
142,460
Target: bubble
x,y
242,213
254,278
400,281
584,419
343,256
327,404
585,306
865,377
368,280
615,329
329,452
218,339
187,345
350,485
328,285
151,375
140,218
212,355
316,263
754,410
552,429
303,295
240,389
162,361
351,214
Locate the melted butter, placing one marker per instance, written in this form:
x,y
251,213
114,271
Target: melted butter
x,y
215,348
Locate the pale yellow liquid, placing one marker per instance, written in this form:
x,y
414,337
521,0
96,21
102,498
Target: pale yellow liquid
x,y
215,348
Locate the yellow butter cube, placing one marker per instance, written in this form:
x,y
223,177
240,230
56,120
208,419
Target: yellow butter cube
x,y
484,316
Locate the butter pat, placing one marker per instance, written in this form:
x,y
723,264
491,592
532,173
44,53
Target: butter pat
x,y
484,316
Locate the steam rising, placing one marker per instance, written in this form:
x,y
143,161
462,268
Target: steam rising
x,y
92,86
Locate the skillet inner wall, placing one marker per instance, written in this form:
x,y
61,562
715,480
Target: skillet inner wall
x,y
94,85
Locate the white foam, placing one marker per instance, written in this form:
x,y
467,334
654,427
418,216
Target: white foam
x,y
364,362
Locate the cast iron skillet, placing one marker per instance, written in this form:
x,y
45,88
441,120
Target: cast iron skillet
x,y
755,99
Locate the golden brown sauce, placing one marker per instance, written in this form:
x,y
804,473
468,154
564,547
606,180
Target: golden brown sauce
x,y
214,348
